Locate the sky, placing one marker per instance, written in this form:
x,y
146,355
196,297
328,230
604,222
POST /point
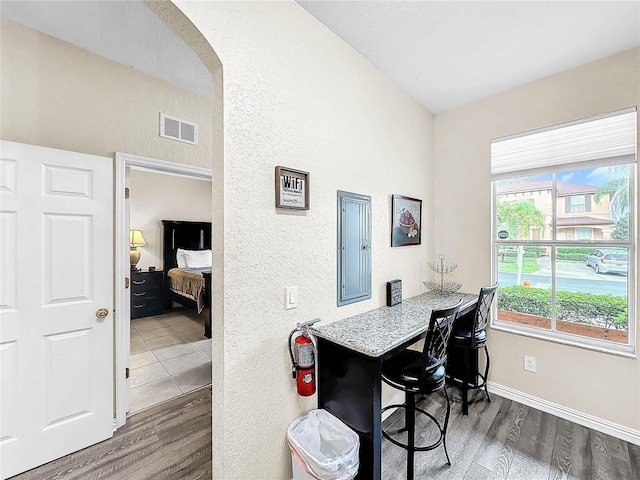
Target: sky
x,y
590,176
593,176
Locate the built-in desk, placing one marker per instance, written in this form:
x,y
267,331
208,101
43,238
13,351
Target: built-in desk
x,y
350,356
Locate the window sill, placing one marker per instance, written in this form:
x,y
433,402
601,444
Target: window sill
x,y
627,351
589,331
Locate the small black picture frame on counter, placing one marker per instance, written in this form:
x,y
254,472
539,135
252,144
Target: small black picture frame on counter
x,y
394,292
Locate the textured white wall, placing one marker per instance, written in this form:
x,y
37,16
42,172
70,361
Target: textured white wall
x,y
60,96
602,385
156,197
296,95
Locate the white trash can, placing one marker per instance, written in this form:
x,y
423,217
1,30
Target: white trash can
x,y
323,447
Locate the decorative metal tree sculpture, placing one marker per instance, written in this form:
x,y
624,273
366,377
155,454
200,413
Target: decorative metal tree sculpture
x,y
443,286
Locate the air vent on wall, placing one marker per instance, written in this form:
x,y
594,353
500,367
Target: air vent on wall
x,y
176,129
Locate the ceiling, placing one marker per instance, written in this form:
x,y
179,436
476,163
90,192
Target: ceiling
x,y
126,32
443,53
449,53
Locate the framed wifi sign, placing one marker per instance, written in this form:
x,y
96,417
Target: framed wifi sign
x,y
292,189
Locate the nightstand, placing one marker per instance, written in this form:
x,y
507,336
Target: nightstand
x,y
146,293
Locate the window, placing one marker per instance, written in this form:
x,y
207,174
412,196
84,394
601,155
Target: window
x,y
576,204
565,262
583,233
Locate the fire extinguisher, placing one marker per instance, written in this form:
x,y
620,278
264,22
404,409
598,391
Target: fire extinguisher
x,y
303,365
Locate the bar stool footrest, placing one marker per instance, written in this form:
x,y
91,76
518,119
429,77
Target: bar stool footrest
x,y
388,434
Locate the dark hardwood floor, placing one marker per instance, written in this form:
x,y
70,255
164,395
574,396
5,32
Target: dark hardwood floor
x,y
507,440
169,441
498,440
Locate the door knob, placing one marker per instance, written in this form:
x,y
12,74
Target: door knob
x,y
102,313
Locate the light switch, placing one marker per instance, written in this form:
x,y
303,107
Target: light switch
x,y
291,297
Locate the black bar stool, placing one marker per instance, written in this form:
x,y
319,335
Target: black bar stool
x,y
422,373
472,335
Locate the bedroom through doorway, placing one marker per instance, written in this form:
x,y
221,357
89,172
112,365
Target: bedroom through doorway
x,y
169,352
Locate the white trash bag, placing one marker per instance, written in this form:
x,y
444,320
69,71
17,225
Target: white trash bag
x,y
325,447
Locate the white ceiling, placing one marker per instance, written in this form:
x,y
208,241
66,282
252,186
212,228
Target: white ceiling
x,y
126,32
449,53
443,53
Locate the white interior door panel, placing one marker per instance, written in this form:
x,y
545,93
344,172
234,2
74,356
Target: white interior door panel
x,y
56,219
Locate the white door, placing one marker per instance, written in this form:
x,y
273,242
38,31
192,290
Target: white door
x,y
56,272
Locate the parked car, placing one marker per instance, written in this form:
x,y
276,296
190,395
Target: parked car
x,y
606,260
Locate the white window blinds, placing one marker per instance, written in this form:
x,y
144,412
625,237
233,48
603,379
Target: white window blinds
x,y
608,140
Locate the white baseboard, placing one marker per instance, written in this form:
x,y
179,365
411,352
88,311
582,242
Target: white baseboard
x,y
398,398
624,433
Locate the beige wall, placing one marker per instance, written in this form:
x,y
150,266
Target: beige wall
x,y
60,96
297,96
156,197
597,384
56,95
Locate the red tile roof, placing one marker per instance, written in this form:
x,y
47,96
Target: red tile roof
x,y
565,221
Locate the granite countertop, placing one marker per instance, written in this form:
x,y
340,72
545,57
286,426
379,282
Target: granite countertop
x,y
378,331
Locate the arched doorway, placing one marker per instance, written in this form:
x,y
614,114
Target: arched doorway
x,y
73,98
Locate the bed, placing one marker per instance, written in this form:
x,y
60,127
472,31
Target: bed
x,y
189,286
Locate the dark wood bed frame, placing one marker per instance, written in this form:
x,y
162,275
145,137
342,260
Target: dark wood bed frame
x,y
190,236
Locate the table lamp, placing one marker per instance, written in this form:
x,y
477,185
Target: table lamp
x,y
135,240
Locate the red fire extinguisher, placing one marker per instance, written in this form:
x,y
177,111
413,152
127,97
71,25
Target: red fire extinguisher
x,y
303,365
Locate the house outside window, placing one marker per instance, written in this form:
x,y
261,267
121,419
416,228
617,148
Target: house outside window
x,y
566,198
577,204
536,233
583,233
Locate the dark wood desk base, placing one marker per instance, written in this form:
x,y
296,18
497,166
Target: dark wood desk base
x,y
350,387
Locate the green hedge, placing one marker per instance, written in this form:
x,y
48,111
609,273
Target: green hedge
x,y
572,257
607,309
601,310
533,252
573,254
532,301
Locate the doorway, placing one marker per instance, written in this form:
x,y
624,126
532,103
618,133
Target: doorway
x,y
170,354
165,355
115,107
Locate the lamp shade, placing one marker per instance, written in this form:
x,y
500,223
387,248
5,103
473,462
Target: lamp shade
x,y
136,239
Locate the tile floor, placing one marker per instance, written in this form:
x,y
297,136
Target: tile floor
x,y
169,356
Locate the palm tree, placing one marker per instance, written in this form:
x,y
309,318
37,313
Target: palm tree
x,y
618,191
519,218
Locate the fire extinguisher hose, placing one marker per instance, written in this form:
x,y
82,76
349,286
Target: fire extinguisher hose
x,y
294,365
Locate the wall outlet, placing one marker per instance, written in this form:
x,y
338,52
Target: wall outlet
x,y
530,364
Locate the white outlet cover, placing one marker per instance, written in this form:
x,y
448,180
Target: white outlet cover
x,y
529,364
290,297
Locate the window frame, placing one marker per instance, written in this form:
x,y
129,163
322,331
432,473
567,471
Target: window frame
x,y
605,346
573,205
